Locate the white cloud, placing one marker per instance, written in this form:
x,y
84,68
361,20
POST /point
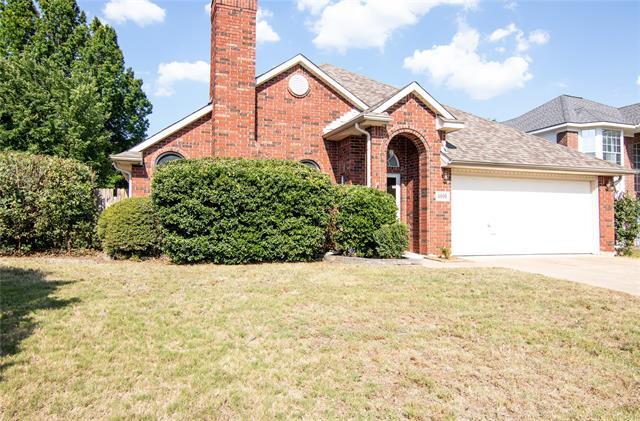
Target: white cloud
x,y
264,31
537,37
314,6
501,33
344,24
511,5
460,67
141,12
170,73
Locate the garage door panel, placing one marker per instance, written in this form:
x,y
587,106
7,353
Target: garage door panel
x,y
521,216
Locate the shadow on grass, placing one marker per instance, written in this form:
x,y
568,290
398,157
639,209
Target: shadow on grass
x,y
21,293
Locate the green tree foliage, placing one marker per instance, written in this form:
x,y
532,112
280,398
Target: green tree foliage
x,y
362,211
64,88
236,211
627,215
46,203
130,229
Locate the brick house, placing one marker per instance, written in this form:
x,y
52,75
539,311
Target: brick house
x,y
596,129
462,182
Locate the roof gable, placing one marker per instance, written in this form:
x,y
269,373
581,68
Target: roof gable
x,y
301,60
417,90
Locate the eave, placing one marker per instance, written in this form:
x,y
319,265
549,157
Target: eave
x,y
365,120
539,168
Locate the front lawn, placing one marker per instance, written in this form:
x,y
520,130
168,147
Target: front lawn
x,y
92,339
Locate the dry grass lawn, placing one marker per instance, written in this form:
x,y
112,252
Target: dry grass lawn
x,y
90,339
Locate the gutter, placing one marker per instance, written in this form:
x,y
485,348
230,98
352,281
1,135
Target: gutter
x,y
505,166
368,135
127,174
361,118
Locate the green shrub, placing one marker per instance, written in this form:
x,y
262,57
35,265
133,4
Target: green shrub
x,y
627,212
391,240
130,229
361,212
46,203
237,211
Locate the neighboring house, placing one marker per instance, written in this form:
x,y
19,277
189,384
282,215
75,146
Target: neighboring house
x,y
461,182
599,130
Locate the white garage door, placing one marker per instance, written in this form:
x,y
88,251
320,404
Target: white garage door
x,y
494,216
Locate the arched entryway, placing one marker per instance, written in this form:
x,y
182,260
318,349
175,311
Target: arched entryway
x,y
405,160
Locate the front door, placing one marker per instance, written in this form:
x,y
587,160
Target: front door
x,y
393,188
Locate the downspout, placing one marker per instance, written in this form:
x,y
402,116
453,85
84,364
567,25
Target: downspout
x,y
368,135
126,173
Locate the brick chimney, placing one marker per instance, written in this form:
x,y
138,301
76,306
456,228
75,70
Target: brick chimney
x,y
233,72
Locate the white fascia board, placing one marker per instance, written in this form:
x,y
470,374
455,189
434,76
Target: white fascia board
x,y
315,70
577,126
448,125
172,129
415,88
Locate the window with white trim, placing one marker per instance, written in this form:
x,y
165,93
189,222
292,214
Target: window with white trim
x,y
588,142
635,163
311,164
392,159
168,157
612,146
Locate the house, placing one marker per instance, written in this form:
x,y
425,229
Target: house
x,y
461,182
596,129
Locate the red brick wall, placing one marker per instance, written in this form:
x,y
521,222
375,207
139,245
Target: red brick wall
x,y
291,128
630,179
233,72
193,141
568,139
606,197
414,120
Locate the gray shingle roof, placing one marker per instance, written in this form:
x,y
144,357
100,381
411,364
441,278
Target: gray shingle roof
x,y
368,90
572,109
488,142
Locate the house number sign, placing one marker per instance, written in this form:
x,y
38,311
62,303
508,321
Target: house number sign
x,y
443,196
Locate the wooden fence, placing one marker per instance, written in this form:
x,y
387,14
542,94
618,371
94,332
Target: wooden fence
x,y
108,197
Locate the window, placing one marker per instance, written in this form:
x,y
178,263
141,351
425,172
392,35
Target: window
x,y
168,157
612,146
311,164
588,142
392,159
635,163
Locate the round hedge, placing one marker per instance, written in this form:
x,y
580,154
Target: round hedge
x,y
235,211
361,212
392,240
46,203
130,229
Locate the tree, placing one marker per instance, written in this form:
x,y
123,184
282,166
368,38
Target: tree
x,y
627,217
64,87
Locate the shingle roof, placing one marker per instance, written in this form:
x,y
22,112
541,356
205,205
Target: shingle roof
x,y
368,90
484,141
631,113
571,109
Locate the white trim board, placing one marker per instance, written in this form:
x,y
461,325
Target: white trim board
x,y
318,72
415,88
173,128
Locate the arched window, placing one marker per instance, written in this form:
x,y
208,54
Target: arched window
x,y
311,164
392,159
168,157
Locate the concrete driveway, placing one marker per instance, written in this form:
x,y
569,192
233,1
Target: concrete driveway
x,y
617,273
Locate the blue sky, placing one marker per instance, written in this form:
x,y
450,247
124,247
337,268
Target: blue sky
x,y
496,59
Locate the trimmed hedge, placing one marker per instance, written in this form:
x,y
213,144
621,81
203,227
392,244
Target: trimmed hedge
x,y
130,229
236,211
627,216
391,240
361,212
46,203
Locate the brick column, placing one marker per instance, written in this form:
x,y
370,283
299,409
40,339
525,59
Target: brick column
x,y
233,73
439,212
606,196
568,139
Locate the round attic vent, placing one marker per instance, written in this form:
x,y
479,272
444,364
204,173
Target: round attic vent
x,y
298,85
